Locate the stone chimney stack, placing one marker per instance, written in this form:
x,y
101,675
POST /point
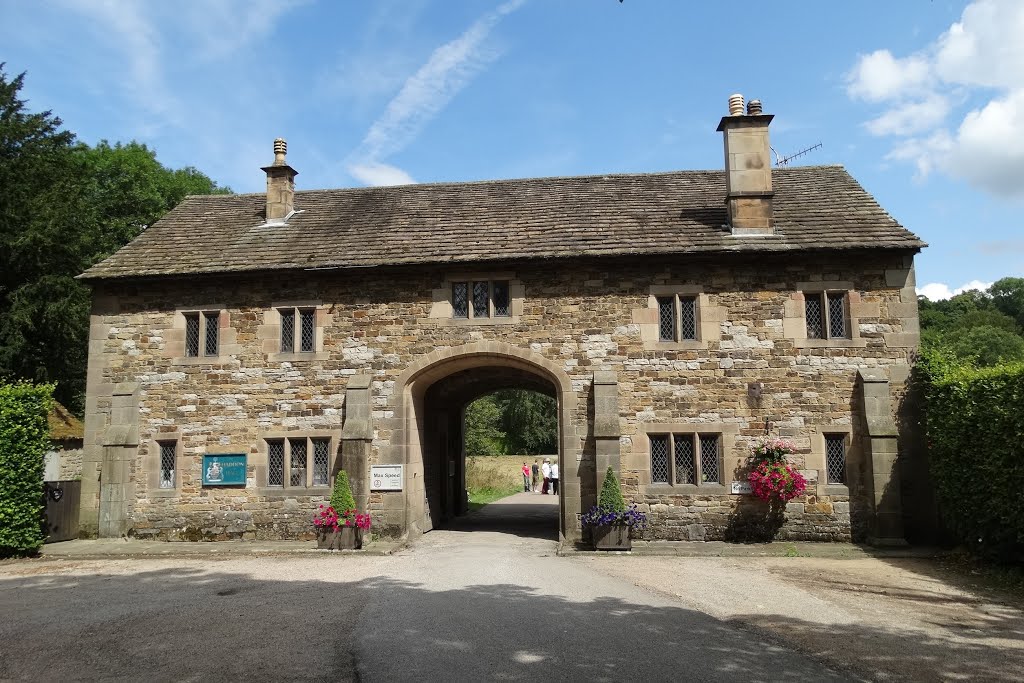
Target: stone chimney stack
x,y
280,184
748,168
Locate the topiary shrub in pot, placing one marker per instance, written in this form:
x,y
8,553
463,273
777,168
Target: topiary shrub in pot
x,y
340,526
611,520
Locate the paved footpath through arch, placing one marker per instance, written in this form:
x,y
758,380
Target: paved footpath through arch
x,y
489,600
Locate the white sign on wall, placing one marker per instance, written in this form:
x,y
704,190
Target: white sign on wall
x,y
386,477
741,487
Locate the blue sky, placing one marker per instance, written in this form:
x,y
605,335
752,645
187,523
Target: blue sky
x,y
922,100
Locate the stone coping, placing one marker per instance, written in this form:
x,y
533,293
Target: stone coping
x,y
838,551
123,548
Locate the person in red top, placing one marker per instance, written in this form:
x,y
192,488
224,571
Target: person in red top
x,y
526,478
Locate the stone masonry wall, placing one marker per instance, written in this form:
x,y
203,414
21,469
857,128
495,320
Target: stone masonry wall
x,y
752,368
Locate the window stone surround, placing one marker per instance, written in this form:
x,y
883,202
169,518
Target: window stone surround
x,y
638,459
815,461
441,312
708,318
269,333
227,343
794,322
151,465
259,463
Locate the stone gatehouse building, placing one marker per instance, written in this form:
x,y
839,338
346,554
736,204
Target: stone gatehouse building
x,y
674,317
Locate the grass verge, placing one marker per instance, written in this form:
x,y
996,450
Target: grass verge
x,y
482,496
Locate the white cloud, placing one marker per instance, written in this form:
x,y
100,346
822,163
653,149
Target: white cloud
x,y
911,117
424,94
980,57
879,76
938,291
376,173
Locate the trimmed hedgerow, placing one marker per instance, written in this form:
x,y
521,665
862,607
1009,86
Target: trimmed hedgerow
x,y
975,430
24,440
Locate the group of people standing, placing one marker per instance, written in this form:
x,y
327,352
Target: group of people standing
x,y
532,477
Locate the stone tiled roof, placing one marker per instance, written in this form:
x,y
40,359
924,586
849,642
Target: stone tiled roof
x,y
815,207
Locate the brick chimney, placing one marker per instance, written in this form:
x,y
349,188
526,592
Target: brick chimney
x,y
280,184
748,168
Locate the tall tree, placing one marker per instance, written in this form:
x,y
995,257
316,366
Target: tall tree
x,y
64,206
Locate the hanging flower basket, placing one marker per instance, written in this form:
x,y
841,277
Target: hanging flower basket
x,y
772,478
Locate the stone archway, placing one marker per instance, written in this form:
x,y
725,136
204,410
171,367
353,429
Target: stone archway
x,y
425,400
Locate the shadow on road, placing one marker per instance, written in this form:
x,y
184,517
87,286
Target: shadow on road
x,y
199,621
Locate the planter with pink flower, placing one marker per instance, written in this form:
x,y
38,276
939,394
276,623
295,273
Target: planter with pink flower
x,y
339,526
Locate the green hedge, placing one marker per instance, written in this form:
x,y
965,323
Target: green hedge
x,y
24,441
975,431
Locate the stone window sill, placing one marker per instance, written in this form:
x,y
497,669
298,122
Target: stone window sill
x,y
688,489
201,360
470,322
164,493
855,343
298,357
835,490
293,492
688,345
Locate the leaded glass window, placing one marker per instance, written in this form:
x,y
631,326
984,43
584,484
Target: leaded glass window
x,y
836,315
659,459
460,299
501,299
695,459
481,295
321,461
191,335
287,330
835,458
275,463
677,318
686,468
667,318
814,317
212,336
825,313
709,469
482,299
687,317
168,463
308,330
297,462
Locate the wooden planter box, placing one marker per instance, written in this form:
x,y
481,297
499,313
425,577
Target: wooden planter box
x,y
345,538
614,537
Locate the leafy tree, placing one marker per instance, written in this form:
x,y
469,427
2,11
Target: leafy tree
x,y
986,346
482,428
1008,296
65,206
529,421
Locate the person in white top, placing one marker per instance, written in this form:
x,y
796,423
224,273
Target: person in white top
x,y
554,478
546,471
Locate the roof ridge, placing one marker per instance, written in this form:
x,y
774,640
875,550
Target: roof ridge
x,y
492,181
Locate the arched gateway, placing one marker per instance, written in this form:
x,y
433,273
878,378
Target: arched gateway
x,y
425,426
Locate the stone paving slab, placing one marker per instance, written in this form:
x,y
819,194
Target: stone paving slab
x,y
117,547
